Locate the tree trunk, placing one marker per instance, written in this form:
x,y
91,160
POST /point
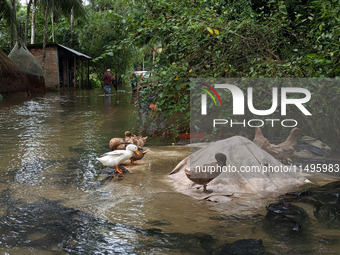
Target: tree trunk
x,y
27,20
34,8
72,27
45,39
52,24
14,26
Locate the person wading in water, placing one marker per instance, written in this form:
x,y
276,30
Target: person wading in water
x,y
107,79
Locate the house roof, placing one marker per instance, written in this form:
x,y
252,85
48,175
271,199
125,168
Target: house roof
x,y
75,52
62,46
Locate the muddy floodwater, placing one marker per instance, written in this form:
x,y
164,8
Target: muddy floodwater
x,y
53,199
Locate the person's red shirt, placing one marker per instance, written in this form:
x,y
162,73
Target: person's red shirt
x,y
107,78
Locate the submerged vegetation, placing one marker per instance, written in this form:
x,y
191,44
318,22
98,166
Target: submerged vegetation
x,y
180,40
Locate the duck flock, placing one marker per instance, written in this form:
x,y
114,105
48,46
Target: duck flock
x,y
131,148
122,149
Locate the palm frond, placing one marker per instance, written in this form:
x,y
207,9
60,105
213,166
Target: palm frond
x,y
64,6
6,12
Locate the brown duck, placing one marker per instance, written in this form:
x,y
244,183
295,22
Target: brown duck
x,y
285,150
121,143
139,140
260,140
280,151
291,139
136,157
204,178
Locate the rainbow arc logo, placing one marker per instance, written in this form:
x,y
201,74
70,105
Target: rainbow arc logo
x,y
209,93
239,99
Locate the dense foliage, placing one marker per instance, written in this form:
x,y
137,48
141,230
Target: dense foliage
x,y
181,40
245,39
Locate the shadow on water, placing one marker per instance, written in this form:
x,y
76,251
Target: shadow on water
x,y
48,225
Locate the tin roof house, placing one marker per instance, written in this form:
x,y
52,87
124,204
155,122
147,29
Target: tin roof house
x,y
64,67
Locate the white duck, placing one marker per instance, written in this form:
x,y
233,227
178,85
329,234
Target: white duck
x,y
114,158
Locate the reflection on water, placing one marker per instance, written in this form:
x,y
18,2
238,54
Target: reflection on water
x,y
52,200
51,195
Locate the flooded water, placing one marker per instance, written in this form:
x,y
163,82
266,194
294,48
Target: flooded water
x,y
52,199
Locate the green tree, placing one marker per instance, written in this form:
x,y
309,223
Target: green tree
x,y
34,9
63,6
235,39
104,37
8,15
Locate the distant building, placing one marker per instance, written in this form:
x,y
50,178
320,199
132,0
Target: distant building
x,y
64,67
